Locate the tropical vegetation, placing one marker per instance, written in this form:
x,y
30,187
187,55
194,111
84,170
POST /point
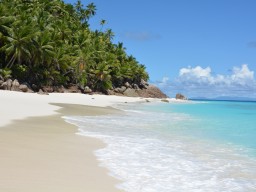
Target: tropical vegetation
x,y
49,42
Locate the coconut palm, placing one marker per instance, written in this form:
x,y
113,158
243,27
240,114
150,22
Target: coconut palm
x,y
18,44
49,42
102,77
90,10
43,49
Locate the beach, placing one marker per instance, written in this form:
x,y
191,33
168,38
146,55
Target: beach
x,y
66,142
41,152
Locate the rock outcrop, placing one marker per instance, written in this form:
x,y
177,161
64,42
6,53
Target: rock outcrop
x,y
131,93
47,89
14,85
73,89
23,88
8,84
142,89
121,89
151,91
180,96
87,90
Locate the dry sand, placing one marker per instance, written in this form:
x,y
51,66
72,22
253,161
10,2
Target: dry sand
x,y
17,105
40,152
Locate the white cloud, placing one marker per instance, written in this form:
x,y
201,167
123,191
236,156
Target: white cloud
x,y
198,75
163,83
200,81
197,72
165,80
242,75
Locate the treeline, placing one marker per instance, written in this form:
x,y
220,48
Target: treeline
x,y
50,43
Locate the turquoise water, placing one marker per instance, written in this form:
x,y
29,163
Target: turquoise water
x,y
207,146
232,122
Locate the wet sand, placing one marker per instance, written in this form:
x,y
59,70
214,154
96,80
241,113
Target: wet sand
x,y
44,154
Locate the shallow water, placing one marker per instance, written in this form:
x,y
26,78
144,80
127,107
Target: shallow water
x,y
194,147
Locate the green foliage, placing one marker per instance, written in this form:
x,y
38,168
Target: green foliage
x,y
48,42
20,72
5,73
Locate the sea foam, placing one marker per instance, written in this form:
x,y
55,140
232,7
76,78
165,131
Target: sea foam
x,y
149,152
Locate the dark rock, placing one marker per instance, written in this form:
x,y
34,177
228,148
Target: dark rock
x,y
23,88
40,92
151,91
59,89
81,87
3,86
15,85
87,90
1,82
180,96
127,85
30,90
135,86
28,86
9,84
165,100
120,89
143,84
110,92
35,87
73,89
131,93
47,89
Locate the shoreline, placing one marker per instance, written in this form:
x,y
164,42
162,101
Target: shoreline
x,y
40,151
44,154
18,105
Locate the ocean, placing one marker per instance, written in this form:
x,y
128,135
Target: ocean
x,y
197,146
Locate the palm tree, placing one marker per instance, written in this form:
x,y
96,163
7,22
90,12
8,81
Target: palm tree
x,y
90,10
43,49
5,26
102,77
50,42
18,44
102,23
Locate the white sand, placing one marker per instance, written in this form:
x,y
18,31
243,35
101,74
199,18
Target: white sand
x,y
17,105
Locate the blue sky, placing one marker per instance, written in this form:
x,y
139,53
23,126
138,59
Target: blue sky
x,y
196,47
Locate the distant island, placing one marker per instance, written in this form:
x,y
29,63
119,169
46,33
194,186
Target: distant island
x,y
48,45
